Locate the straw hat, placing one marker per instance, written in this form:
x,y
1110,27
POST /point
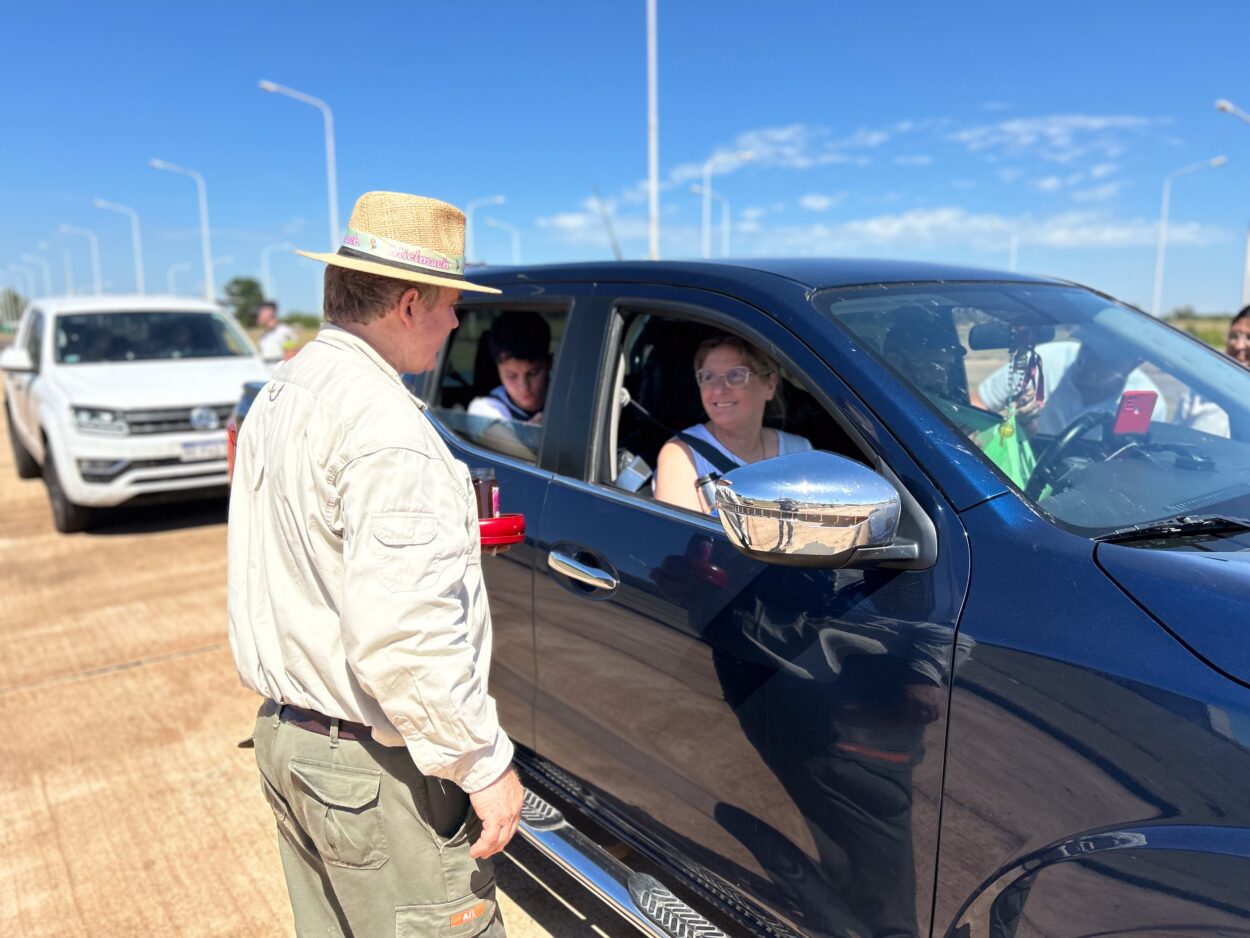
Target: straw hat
x,y
408,237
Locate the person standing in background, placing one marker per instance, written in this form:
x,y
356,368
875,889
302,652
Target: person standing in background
x,y
277,336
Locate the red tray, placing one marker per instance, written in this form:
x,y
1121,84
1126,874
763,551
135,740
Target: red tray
x,y
506,529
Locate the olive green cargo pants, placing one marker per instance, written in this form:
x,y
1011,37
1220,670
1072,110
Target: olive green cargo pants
x,y
369,845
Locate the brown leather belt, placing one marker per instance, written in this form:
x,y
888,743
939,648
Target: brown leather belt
x,y
316,722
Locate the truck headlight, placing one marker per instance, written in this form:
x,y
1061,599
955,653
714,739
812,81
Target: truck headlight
x,y
96,420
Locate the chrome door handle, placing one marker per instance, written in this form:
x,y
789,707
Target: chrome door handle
x,y
582,573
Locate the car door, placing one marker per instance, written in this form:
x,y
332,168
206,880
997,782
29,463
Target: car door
x,y
463,373
778,731
23,386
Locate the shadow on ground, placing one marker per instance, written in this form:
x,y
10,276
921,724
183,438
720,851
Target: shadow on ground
x,y
144,519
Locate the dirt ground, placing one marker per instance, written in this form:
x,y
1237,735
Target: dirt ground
x,y
126,807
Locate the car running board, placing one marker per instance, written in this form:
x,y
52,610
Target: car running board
x,y
640,899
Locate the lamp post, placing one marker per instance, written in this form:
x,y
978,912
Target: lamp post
x,y
171,276
47,271
205,241
468,221
331,182
134,237
511,229
28,279
653,136
741,156
95,252
1229,108
724,217
1161,247
266,281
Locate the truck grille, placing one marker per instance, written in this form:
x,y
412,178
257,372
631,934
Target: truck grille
x,y
170,420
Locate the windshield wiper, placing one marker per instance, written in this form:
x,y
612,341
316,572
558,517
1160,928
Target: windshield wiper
x,y
1179,526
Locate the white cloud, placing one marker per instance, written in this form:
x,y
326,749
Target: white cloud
x,y
1102,170
1010,175
1058,138
1048,184
1103,193
820,202
918,159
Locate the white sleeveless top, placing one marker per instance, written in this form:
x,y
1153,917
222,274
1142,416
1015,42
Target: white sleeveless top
x,y
786,443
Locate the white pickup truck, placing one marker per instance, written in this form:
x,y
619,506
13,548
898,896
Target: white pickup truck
x,y
120,398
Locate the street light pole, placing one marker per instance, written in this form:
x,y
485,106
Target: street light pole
x,y
266,281
331,171
724,217
205,240
740,157
468,221
171,276
1161,246
653,135
511,229
47,271
134,237
95,253
1229,108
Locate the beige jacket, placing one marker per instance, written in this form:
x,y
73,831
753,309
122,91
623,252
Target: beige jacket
x,y
355,582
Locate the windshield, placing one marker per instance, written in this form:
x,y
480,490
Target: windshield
x,y
1100,415
87,338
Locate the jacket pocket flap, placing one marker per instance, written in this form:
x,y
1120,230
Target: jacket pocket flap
x,y
338,785
401,529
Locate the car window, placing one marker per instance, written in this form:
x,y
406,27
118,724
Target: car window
x,y
495,376
90,338
656,394
1101,416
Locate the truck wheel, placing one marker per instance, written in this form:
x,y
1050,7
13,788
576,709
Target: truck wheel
x,y
67,516
27,468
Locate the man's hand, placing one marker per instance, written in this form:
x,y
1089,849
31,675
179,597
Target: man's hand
x,y
498,807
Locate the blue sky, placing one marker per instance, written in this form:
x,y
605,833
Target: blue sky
x,y
885,129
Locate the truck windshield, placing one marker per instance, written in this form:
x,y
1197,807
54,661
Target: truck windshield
x,y
1100,415
89,338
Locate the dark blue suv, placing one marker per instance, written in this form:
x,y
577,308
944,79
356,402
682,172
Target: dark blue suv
x,y
976,664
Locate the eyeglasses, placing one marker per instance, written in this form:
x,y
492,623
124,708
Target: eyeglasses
x,y
736,377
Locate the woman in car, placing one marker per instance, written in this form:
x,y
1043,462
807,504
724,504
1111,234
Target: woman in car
x,y
737,383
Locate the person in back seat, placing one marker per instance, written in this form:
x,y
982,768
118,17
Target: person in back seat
x,y
736,383
520,346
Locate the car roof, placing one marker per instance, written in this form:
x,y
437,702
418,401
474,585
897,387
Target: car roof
x,y
122,303
812,273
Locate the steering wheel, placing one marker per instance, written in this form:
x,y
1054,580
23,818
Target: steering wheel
x,y
1045,472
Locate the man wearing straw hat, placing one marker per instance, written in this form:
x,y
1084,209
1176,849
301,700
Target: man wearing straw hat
x,y
357,607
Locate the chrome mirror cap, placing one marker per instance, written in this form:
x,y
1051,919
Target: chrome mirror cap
x,y
807,509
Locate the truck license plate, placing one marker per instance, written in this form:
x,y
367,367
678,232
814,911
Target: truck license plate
x,y
201,450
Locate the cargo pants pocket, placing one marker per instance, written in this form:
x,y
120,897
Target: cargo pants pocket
x,y
341,812
458,918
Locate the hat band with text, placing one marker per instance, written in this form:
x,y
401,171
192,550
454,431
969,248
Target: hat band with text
x,y
360,244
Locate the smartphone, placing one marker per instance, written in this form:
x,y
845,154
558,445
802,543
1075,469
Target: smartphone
x,y
1133,414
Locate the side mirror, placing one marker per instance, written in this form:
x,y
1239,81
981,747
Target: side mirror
x,y
16,360
812,509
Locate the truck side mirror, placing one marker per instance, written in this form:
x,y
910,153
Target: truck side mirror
x,y
812,509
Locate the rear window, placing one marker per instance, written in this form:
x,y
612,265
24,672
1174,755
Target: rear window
x,y
88,338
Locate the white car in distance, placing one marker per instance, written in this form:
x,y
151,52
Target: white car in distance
x,y
120,398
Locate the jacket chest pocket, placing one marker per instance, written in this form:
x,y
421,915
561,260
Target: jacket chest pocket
x,y
404,548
